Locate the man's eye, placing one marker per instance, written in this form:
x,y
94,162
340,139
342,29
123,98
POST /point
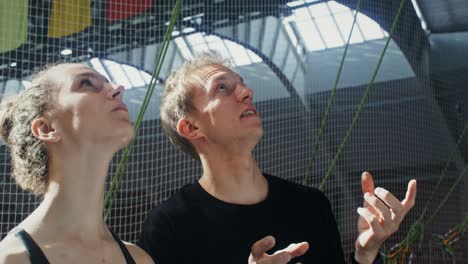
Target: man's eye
x,y
222,87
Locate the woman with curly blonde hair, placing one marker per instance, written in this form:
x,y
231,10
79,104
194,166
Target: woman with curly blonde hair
x,y
62,134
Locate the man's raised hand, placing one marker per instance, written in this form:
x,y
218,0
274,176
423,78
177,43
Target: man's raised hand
x,y
283,256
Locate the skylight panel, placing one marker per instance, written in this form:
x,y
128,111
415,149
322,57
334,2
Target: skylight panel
x,y
344,20
370,28
239,55
330,32
97,65
201,42
327,25
118,75
180,42
133,75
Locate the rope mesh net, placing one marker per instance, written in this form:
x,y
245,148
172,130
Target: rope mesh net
x,y
291,53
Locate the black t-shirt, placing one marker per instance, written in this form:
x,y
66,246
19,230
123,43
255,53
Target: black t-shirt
x,y
195,227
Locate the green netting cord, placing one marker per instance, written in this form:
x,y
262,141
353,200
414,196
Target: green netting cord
x,y
447,165
330,100
417,228
363,99
118,176
447,242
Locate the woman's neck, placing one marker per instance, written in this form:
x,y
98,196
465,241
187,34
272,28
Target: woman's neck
x,y
73,204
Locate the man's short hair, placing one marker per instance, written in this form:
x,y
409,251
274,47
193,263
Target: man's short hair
x,y
176,101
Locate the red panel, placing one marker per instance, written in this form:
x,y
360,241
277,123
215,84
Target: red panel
x,y
123,9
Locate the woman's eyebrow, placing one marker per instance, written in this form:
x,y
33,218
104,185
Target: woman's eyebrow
x,y
93,75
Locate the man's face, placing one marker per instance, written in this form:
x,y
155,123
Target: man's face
x,y
224,111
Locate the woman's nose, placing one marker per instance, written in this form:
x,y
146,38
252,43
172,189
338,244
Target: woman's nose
x,y
117,92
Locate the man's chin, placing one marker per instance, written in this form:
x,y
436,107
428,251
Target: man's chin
x,y
258,134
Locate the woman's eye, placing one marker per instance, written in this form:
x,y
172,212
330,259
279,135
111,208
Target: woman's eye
x,y
94,86
85,82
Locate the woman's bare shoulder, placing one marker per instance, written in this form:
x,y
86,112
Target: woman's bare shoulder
x,y
12,251
138,254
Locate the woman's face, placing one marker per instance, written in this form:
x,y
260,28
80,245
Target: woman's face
x,y
89,109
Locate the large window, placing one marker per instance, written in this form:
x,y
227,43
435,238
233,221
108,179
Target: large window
x,y
190,43
126,75
321,25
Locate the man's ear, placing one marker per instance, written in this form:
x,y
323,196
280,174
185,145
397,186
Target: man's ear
x,y
187,129
43,129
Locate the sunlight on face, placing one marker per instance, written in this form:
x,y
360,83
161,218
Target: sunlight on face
x,y
90,108
225,113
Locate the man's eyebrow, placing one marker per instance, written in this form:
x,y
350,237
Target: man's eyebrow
x,y
220,78
214,81
225,76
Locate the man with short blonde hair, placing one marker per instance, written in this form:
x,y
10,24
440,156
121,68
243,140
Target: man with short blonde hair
x,y
235,209
177,97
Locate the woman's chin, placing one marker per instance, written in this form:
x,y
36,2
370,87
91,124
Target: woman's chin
x,y
125,137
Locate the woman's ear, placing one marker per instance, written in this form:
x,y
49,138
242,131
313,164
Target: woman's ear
x,y
43,129
187,129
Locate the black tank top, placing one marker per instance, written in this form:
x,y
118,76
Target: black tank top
x,y
36,256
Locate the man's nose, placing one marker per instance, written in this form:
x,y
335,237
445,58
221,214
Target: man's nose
x,y
245,93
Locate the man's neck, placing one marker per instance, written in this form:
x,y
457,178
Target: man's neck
x,y
236,180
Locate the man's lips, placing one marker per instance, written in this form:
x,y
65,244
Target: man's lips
x,y
249,113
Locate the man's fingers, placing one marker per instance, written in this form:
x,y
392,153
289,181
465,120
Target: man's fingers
x,y
296,249
282,257
377,206
262,246
300,249
259,249
367,183
258,255
410,197
392,202
371,219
